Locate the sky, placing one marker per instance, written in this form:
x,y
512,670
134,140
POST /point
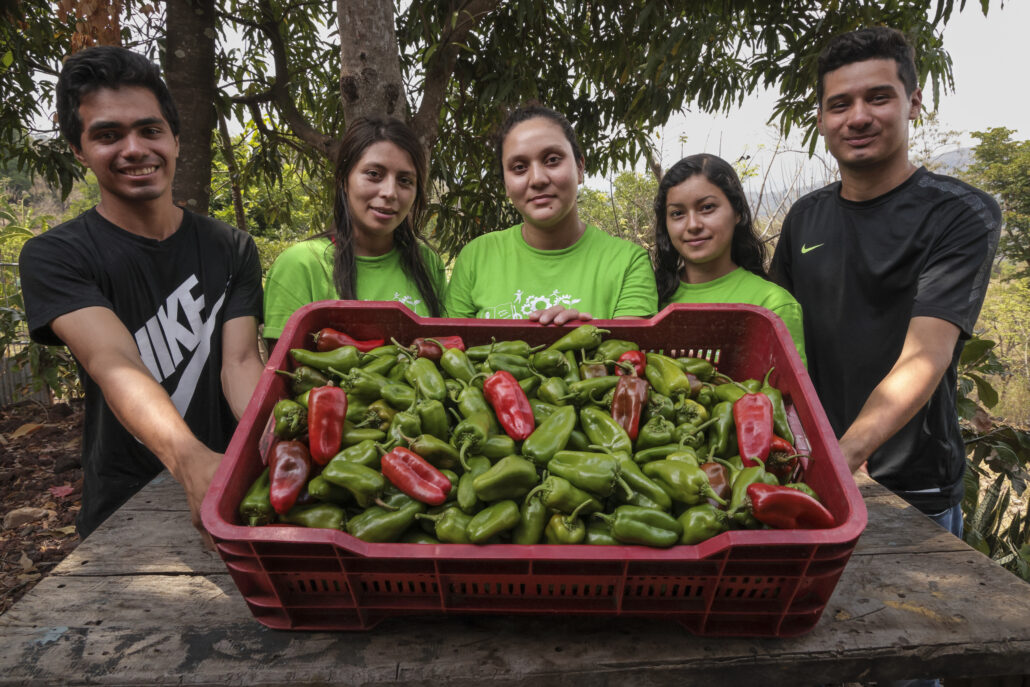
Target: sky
x,y
989,63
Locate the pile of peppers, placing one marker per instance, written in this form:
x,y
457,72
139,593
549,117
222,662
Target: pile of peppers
x,y
588,440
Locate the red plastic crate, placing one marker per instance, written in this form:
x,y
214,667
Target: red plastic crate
x,y
742,583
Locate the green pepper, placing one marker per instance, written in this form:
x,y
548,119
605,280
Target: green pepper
x,y
590,390
596,473
638,499
467,499
602,430
775,396
511,477
303,379
341,359
356,411
699,367
685,454
702,522
612,349
655,432
550,436
453,478
433,418
406,424
584,337
436,451
666,376
379,415
532,521
450,525
599,534
573,374
362,384
641,484
378,524
399,395
396,373
424,376
719,444
550,363
559,494
256,506
646,526
541,410
659,404
290,419
655,453
578,441
417,536
355,435
516,365
324,490
514,347
691,435
496,446
682,481
364,483
380,365
553,391
529,384
801,486
493,520
738,496
706,396
689,410
470,433
391,350
471,401
325,515
363,453
456,363
566,529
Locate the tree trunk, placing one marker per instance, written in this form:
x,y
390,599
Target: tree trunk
x,y
190,73
370,72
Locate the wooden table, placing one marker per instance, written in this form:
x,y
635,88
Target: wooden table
x,y
140,602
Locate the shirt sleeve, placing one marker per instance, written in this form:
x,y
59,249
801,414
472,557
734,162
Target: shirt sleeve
x,y
779,269
289,286
639,294
55,281
245,290
437,274
953,283
459,302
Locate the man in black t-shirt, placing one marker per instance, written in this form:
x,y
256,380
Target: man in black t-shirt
x,y
890,266
158,305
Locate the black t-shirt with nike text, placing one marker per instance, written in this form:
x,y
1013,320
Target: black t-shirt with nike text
x,y
861,271
173,296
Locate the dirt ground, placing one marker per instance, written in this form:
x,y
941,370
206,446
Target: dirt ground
x,y
40,492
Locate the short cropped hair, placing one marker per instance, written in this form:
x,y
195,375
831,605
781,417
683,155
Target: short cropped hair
x,y
872,43
107,66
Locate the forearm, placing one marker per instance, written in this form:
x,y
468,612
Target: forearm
x,y
907,387
242,362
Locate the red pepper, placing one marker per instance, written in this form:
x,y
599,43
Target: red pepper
x,y
628,403
591,370
509,401
638,359
327,411
784,461
413,475
288,473
786,508
432,348
329,339
753,416
719,478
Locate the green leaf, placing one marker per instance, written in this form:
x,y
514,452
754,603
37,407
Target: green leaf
x,y
987,393
975,349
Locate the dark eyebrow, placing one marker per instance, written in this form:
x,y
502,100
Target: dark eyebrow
x,y
111,124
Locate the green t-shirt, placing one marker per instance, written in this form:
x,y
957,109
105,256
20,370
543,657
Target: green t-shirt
x,y
303,273
500,276
741,286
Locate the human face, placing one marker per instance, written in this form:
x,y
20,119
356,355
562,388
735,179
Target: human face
x,y
865,113
700,221
541,173
128,145
380,191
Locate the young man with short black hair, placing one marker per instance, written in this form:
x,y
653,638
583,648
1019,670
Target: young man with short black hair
x,y
890,265
158,305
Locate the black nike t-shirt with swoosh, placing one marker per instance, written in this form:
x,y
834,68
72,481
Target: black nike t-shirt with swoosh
x,y
173,296
861,271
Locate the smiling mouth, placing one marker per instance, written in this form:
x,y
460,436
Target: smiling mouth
x,y
384,211
140,171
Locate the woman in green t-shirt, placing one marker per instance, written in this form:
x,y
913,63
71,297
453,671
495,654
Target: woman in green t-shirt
x,y
375,250
552,267
706,247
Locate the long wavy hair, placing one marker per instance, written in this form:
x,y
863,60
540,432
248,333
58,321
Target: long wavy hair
x,y
362,133
746,249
